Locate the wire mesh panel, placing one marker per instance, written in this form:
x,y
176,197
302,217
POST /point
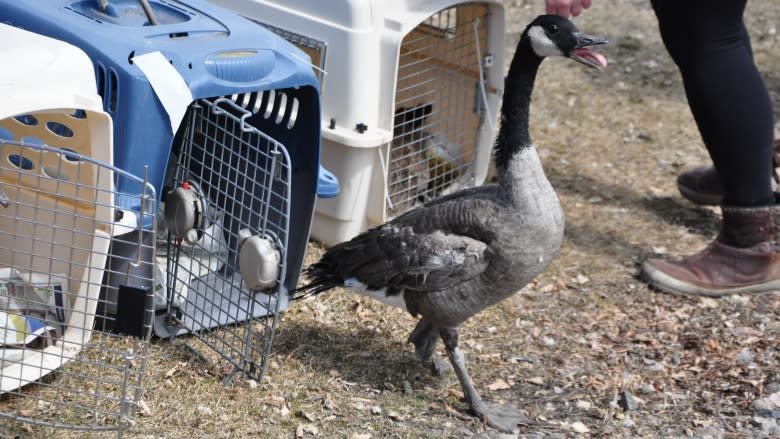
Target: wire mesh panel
x,y
228,218
62,364
438,106
314,48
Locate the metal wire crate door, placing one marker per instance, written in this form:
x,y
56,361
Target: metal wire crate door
x,y
438,108
61,218
225,268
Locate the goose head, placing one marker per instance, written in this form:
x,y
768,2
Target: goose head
x,y
546,36
552,35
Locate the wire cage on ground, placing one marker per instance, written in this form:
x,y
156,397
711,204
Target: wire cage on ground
x,y
226,116
60,214
410,91
56,228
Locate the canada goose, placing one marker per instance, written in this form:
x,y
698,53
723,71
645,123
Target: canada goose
x,y
456,255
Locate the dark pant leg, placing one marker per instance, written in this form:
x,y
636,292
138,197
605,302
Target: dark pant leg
x,y
728,98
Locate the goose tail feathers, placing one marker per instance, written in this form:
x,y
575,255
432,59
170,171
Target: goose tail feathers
x,y
321,281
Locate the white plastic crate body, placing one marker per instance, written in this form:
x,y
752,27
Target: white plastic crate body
x,y
365,45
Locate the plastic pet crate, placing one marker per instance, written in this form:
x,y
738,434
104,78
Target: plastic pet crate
x,y
59,212
410,91
226,116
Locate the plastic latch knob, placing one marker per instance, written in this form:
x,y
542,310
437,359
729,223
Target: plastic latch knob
x,y
258,261
185,213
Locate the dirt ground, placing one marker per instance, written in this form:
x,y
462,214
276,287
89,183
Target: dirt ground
x,y
573,346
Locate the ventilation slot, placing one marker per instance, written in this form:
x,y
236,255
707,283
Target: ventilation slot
x,y
269,98
27,119
278,106
108,87
59,129
113,91
100,76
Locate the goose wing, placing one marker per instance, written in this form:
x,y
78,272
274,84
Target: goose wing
x,y
431,248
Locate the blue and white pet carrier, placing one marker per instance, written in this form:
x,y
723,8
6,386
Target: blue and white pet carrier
x,y
226,116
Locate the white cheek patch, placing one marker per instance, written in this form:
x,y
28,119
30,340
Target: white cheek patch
x,y
541,43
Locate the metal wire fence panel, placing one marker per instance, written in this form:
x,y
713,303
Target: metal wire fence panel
x,y
316,49
63,363
437,108
228,220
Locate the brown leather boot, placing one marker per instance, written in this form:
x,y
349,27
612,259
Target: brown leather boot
x,y
744,257
701,185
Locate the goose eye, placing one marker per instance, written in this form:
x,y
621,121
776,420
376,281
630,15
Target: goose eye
x,y
553,28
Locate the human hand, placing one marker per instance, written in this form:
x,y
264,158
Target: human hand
x,y
565,8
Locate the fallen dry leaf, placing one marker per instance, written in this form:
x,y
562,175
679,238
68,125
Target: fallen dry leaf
x,y
499,384
581,279
579,427
143,408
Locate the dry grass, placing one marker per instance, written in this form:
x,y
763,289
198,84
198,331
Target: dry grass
x,y
566,346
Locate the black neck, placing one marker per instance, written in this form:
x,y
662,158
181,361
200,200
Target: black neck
x,y
513,135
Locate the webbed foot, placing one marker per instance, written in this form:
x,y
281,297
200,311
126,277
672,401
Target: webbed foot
x,y
502,417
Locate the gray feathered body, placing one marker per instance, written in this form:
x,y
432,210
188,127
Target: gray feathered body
x,y
455,256
522,229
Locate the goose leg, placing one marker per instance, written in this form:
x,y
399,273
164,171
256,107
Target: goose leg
x,y
500,417
425,336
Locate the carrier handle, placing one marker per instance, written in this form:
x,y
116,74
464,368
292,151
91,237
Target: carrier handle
x,y
107,8
148,11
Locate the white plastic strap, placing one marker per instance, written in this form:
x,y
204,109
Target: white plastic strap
x,y
173,92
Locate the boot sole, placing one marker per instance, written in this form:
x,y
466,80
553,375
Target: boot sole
x,y
700,198
667,284
706,199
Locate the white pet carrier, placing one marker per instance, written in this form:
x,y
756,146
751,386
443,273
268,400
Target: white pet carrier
x,y
409,94
58,215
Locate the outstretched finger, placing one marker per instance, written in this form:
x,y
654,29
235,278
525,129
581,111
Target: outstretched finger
x,y
558,7
564,10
